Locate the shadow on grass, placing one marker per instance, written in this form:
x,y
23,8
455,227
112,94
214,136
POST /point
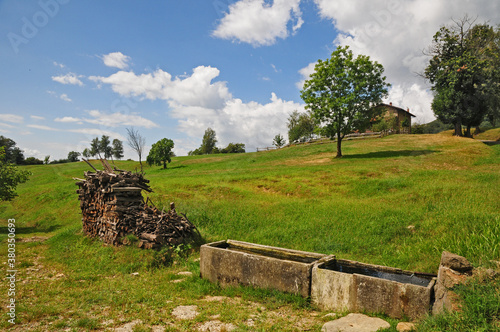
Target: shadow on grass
x,y
30,230
390,154
178,166
491,143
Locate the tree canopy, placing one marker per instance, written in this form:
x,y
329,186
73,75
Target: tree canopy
x,y
464,74
73,156
10,177
95,148
33,161
86,153
300,125
208,145
208,142
342,91
279,141
161,152
234,148
117,149
105,147
13,154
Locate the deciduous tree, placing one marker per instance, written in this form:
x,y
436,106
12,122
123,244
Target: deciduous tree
x,y
279,141
105,147
342,93
86,153
95,148
161,152
300,125
13,154
463,71
234,148
73,156
136,142
117,150
209,141
33,161
10,177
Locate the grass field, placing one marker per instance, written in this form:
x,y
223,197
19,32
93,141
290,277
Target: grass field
x,y
397,201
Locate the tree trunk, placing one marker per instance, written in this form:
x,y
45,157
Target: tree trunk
x,y
458,128
164,165
467,133
339,146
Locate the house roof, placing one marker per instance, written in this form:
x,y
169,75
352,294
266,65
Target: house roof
x,y
396,108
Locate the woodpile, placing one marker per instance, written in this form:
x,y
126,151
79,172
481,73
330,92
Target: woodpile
x,y
113,207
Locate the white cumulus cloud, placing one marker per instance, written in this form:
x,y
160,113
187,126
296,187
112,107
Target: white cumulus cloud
x,y
194,90
32,153
116,60
305,72
253,124
258,23
199,102
395,32
69,78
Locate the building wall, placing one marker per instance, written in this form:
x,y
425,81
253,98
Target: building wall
x,y
401,115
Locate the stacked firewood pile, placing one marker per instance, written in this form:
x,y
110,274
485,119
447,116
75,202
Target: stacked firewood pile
x,y
113,207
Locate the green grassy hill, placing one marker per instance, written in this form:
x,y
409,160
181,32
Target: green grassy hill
x,y
489,135
397,201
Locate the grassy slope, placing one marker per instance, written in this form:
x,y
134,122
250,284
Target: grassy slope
x,y
359,207
489,135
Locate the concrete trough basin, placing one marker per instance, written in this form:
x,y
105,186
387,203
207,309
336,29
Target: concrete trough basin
x,y
348,285
232,263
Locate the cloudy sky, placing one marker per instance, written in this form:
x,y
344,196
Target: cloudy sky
x,y
73,70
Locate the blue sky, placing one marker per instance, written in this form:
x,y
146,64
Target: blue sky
x,y
73,70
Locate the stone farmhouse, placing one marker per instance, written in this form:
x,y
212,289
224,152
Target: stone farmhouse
x,y
400,116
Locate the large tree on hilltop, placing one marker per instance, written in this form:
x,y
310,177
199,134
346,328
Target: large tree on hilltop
x,y
463,73
342,93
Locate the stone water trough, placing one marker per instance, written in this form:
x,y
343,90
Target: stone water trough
x,y
231,263
339,285
333,284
